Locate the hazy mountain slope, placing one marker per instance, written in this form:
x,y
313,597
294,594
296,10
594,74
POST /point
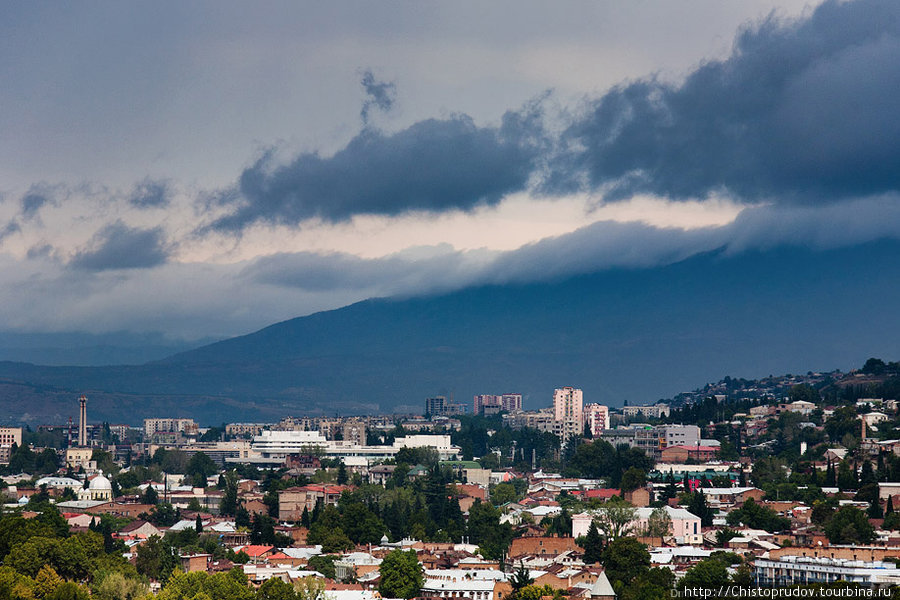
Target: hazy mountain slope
x,y
636,335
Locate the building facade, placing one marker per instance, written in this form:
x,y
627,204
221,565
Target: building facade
x,y
567,409
596,418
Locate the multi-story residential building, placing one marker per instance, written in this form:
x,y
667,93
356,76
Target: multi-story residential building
x,y
491,404
567,409
596,417
655,411
804,570
644,437
167,425
292,501
542,420
653,440
244,429
440,406
219,452
680,435
8,437
511,402
353,431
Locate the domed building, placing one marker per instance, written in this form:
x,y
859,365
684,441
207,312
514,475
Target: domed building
x,y
99,488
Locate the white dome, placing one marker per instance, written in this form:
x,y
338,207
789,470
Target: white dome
x,y
100,483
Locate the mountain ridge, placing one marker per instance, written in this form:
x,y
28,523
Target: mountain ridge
x,y
621,334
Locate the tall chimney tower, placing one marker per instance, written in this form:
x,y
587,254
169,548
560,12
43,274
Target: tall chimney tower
x,y
82,421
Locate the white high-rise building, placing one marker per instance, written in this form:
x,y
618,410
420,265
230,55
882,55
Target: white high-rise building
x,y
596,417
567,410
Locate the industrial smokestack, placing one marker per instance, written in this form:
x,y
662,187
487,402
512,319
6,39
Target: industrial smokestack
x,y
82,421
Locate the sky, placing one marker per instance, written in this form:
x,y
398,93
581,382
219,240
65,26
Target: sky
x,y
206,169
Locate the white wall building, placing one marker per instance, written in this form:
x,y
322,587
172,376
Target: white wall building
x,y
272,447
801,570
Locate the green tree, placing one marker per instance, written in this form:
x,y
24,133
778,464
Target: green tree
x,y
69,590
229,503
201,466
150,496
708,574
593,545
401,575
616,519
503,493
756,516
485,529
275,589
625,559
116,586
46,581
232,585
520,579
155,559
324,564
659,523
632,479
536,592
698,506
843,421
849,525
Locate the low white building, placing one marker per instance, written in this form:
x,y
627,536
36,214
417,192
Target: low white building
x,y
800,570
272,447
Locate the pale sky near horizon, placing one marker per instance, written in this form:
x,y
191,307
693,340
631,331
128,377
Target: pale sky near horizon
x,y
205,169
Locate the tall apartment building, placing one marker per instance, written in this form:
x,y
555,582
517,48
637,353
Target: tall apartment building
x,y
440,406
485,404
8,437
542,420
567,410
353,431
596,417
511,402
491,404
655,411
186,426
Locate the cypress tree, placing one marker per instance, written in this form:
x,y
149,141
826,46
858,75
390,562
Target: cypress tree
x,y
593,545
890,506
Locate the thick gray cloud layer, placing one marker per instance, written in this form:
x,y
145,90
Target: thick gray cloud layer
x,y
118,246
599,246
801,111
434,165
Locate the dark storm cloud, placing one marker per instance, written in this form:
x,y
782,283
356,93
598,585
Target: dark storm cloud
x,y
379,94
800,111
118,246
32,202
150,194
435,165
